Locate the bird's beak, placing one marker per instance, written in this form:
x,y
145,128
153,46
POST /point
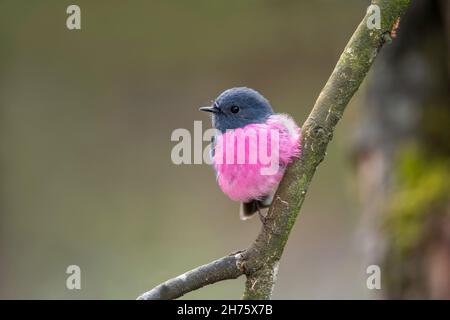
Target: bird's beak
x,y
212,109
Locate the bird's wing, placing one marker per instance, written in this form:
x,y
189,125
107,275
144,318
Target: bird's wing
x,y
212,152
213,145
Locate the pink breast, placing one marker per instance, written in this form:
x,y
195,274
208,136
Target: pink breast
x,y
250,161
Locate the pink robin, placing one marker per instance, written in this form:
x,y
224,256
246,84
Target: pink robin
x,y
252,147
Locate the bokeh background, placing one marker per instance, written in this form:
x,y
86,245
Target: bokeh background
x,y
85,124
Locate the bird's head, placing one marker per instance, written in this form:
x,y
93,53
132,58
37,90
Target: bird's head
x,y
238,107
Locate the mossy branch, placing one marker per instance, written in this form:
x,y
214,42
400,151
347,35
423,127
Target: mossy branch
x,y
260,261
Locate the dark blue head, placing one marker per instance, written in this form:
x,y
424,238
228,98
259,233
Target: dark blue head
x,y
238,107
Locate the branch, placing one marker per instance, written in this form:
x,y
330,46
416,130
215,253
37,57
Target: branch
x,y
260,261
353,65
222,269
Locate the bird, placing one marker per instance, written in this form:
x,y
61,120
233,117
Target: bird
x,y
244,118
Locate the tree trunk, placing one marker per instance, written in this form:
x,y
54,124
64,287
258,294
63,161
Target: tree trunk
x,y
402,156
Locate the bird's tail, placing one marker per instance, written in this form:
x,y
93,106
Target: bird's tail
x,y
248,209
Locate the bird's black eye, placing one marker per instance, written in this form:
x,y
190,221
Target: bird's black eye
x,y
234,109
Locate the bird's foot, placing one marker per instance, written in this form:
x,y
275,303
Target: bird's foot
x,y
262,218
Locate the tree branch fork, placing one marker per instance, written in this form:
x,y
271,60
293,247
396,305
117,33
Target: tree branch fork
x,y
259,263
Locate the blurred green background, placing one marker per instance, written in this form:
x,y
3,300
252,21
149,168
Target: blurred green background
x,y
86,118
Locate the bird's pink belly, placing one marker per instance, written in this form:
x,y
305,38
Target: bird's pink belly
x,y
244,182
250,161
